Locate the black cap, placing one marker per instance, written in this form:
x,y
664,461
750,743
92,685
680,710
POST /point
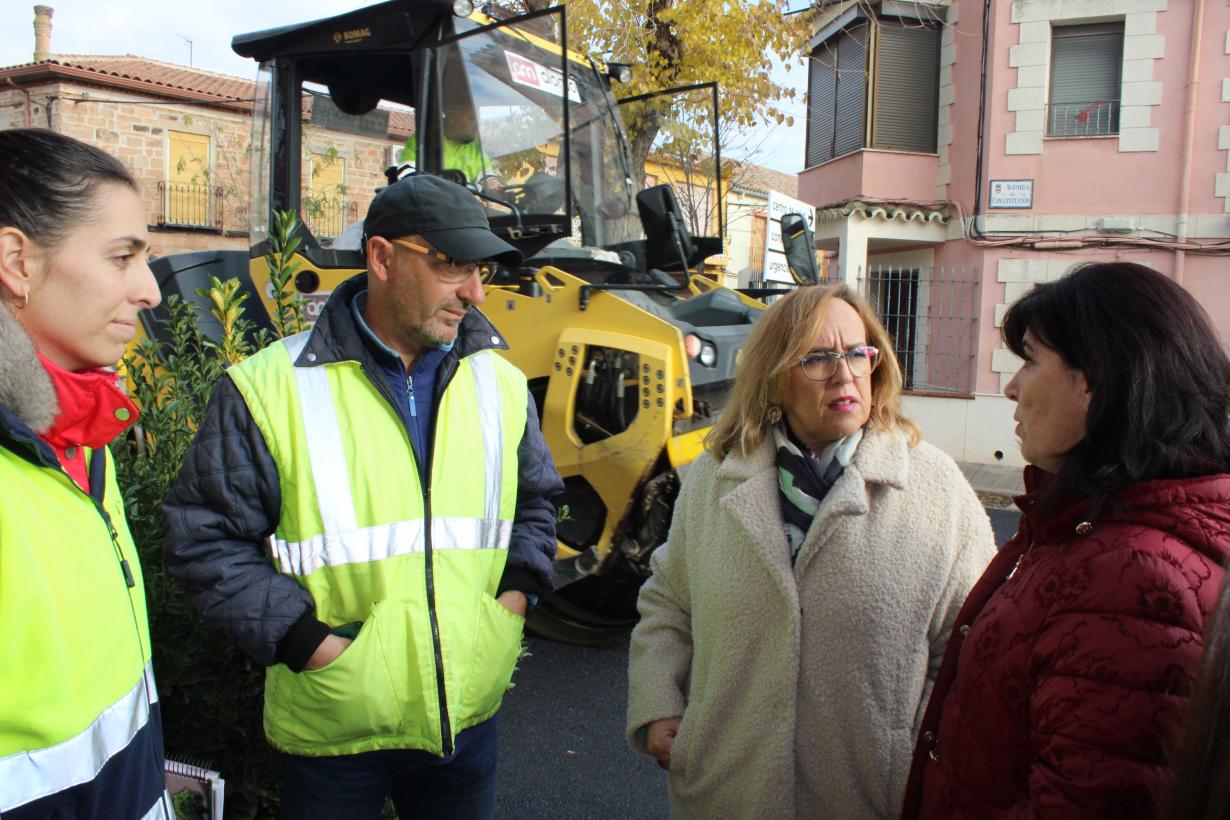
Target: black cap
x,y
442,212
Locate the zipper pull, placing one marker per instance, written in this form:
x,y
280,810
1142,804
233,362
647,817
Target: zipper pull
x,y
115,542
1020,558
1015,566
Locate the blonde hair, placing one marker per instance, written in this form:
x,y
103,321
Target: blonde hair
x,y
782,336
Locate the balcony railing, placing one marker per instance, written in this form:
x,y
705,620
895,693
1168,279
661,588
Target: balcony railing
x,y
1082,119
327,218
190,206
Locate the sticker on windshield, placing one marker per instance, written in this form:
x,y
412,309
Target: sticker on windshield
x,y
525,71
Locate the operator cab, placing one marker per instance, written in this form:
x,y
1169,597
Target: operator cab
x,y
479,101
501,106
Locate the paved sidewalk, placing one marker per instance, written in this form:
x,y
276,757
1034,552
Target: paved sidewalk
x,y
993,478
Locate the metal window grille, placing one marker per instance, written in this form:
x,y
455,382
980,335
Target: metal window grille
x,y
328,218
190,206
931,314
1082,119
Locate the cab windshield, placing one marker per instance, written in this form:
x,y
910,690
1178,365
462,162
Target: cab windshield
x,y
511,77
490,110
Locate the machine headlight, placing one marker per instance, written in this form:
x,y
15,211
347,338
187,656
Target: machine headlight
x,y
708,355
463,8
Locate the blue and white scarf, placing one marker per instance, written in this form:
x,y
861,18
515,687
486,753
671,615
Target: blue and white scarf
x,y
805,478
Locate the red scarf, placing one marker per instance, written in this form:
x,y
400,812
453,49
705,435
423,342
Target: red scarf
x,y
93,411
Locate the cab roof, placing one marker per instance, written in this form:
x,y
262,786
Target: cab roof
x,y
369,49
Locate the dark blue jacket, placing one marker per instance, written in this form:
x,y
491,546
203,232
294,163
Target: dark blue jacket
x,y
226,500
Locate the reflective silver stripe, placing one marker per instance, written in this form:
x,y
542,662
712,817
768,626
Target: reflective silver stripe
x,y
491,419
324,442
30,775
470,534
343,542
162,810
151,688
389,540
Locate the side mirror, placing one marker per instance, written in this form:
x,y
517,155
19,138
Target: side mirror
x,y
800,246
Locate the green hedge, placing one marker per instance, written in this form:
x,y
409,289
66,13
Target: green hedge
x,y
211,694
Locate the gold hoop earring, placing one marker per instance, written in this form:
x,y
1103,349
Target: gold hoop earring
x,y
25,300
775,414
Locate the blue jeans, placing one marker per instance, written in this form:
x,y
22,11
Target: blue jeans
x,y
354,787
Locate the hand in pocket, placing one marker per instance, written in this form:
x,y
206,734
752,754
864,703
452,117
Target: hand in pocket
x,y
514,601
328,651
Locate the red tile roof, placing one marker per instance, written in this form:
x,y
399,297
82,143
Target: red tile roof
x,y
168,78
157,77
762,180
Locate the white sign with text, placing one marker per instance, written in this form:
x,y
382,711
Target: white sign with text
x,y
1012,193
525,71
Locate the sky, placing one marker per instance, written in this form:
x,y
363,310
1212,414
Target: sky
x,y
162,29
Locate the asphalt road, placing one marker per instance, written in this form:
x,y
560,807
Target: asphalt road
x,y
562,750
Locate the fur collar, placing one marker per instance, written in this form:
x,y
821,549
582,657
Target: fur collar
x,y
882,457
25,387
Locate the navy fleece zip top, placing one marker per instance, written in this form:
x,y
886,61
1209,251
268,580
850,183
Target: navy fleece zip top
x,y
415,394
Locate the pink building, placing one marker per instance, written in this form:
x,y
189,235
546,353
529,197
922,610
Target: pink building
x,y
961,151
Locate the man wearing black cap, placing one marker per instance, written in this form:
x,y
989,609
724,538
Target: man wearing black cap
x,y
365,511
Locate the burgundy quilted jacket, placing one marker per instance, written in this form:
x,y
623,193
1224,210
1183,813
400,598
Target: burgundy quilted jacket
x,y
1072,659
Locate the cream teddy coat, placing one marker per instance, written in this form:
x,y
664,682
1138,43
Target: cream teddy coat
x,y
801,688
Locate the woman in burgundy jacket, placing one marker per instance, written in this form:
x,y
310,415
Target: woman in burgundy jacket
x,y
1068,672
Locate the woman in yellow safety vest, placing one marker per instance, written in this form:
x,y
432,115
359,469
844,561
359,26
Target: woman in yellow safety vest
x,y
80,734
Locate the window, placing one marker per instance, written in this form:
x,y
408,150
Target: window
x,y
325,208
186,191
894,293
756,246
931,315
874,86
1086,69
907,88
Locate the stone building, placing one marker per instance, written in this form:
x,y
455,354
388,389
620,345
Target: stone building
x,y
185,134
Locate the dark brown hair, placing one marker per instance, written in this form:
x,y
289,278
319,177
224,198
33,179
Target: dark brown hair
x,y
1159,377
48,182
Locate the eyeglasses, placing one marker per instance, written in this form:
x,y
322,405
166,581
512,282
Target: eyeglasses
x,y
822,366
453,271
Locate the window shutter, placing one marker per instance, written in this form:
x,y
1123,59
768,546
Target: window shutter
x,y
756,247
906,87
188,175
851,95
821,103
1086,65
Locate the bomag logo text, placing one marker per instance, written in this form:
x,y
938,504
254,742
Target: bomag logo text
x,y
356,35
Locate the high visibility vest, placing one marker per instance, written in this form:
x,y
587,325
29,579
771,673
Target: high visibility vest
x,y
417,567
77,688
467,157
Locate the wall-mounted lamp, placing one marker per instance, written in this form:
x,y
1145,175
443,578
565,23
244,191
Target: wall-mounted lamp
x,y
619,72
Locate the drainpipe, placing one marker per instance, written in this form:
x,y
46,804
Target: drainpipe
x,y
25,91
979,153
1189,133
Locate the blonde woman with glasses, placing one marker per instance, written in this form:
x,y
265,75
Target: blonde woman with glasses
x,y
799,610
